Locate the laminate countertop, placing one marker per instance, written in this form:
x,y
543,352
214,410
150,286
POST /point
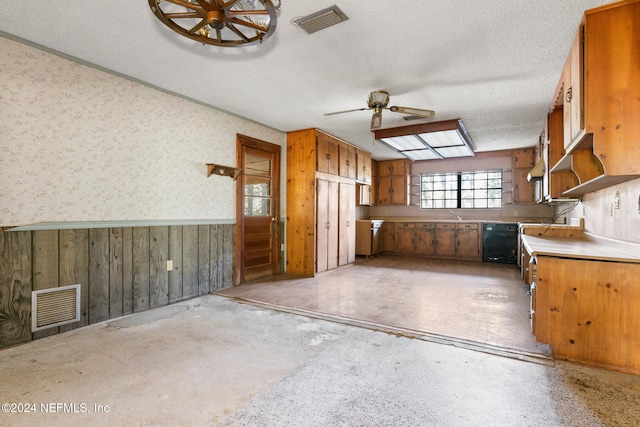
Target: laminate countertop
x,y
588,247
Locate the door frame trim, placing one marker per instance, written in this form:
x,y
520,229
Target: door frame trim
x,y
247,141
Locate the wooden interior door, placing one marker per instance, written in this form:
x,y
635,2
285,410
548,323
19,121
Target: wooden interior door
x,y
258,209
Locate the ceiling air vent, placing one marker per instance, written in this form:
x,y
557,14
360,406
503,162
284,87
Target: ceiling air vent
x,y
54,307
321,19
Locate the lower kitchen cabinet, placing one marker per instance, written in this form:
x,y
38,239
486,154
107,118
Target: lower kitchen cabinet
x,y
388,236
441,239
587,311
405,237
425,238
446,239
368,237
468,241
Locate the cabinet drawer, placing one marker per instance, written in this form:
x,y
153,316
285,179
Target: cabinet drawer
x,y
405,225
426,225
446,225
474,226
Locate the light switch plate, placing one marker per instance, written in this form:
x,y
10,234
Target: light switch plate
x,y
169,265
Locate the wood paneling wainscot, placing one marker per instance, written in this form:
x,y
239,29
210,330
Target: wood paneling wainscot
x,y
122,270
16,269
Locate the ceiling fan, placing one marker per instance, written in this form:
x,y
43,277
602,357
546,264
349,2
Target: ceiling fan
x,y
378,101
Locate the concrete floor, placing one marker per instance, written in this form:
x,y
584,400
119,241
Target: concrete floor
x,y
216,361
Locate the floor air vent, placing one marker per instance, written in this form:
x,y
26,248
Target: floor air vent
x,y
54,307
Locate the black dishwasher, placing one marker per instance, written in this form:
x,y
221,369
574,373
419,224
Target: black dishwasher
x,y
500,242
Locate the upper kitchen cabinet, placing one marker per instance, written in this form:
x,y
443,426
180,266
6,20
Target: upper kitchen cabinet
x,y
347,160
363,166
327,153
573,99
600,91
523,190
556,183
393,182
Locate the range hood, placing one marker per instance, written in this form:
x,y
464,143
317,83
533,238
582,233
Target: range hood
x,y
537,173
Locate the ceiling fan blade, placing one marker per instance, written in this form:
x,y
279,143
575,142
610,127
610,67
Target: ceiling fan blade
x,y
376,121
346,111
413,111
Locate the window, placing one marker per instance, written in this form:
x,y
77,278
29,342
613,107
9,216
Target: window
x,y
468,190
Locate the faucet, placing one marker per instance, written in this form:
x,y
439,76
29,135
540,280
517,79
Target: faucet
x,y
457,216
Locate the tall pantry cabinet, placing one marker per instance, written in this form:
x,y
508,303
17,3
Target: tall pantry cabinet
x,y
321,198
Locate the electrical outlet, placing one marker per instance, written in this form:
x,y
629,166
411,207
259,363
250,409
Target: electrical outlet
x,y
169,265
516,213
616,200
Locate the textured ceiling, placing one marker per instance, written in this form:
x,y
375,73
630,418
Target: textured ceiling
x,y
494,63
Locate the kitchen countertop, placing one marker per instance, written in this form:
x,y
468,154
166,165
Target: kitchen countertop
x,y
588,247
442,220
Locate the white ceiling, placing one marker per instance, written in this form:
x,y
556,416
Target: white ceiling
x,y
494,63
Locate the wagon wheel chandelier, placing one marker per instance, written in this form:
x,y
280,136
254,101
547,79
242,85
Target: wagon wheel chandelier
x,y
218,22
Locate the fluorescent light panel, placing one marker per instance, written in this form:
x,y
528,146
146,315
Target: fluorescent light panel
x,y
424,154
401,143
429,141
447,138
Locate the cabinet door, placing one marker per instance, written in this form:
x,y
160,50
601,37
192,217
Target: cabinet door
x,y
425,239
363,164
468,241
445,240
388,236
326,225
385,168
573,90
374,183
405,238
523,190
398,167
364,243
523,158
376,238
577,100
327,154
347,161
384,191
347,223
399,190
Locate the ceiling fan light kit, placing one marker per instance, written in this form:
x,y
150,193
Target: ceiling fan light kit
x,y
217,22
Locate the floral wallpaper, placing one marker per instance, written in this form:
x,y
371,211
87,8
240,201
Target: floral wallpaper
x,y
80,144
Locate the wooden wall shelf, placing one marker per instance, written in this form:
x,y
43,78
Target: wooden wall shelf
x,y
213,169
